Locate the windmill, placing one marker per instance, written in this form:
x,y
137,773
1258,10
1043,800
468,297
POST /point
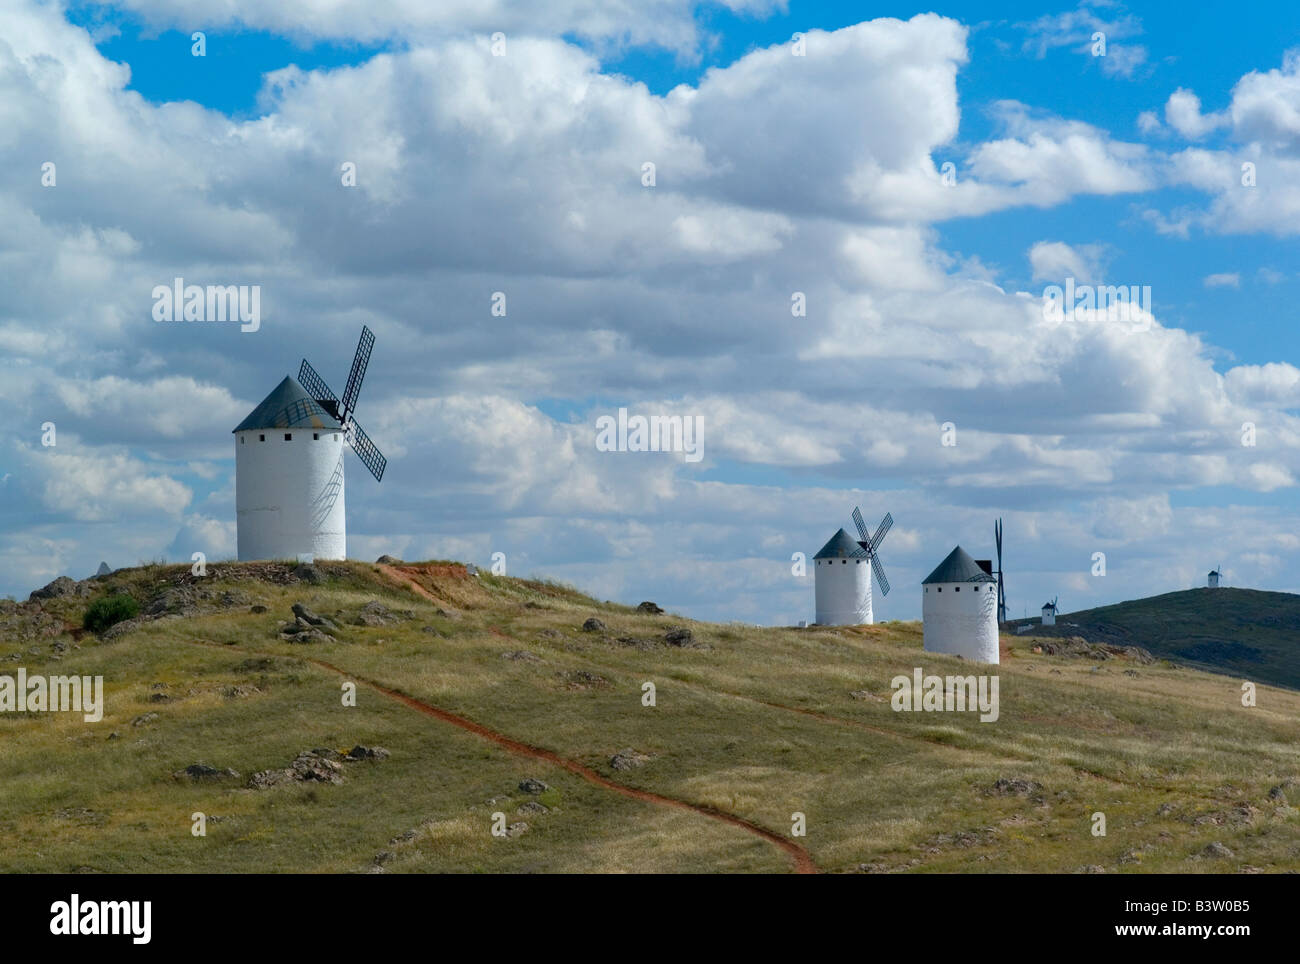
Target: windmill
x,y
1002,592
871,544
342,409
289,456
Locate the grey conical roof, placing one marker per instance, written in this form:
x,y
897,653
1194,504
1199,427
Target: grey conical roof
x,y
288,406
840,546
103,569
958,567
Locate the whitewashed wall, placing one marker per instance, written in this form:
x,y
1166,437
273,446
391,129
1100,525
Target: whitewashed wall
x,y
962,623
843,592
289,495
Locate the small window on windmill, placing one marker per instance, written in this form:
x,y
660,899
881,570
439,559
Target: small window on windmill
x,y
241,440
288,436
956,588
315,436
261,438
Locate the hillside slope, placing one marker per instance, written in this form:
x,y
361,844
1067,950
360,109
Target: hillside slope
x,y
1244,632
476,687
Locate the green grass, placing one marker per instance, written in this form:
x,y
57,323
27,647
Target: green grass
x,y
1245,632
758,723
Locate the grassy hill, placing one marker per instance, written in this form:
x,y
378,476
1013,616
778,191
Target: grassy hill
x,y
476,685
1244,632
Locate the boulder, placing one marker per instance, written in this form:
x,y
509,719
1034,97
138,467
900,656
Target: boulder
x,y
387,560
679,636
201,771
628,759
534,786
650,608
360,752
62,586
593,625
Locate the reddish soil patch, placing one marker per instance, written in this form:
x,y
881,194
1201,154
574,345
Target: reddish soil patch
x,y
803,862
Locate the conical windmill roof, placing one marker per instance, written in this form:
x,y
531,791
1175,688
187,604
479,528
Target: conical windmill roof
x,y
958,567
840,546
288,406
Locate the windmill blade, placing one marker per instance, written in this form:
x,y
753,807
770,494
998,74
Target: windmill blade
x,y
880,575
862,526
359,363
886,524
366,451
317,389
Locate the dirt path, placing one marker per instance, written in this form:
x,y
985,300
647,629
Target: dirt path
x,y
803,862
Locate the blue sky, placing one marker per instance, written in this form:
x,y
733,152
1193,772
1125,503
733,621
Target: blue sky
x,y
520,175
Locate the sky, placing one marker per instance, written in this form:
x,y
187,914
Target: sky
x,y
917,177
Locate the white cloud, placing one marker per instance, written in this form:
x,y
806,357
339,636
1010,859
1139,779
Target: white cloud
x,y
1223,280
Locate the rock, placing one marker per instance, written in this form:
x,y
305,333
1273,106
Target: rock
x,y
550,634
679,636
159,698
308,573
239,692
1216,850
375,613
534,786
383,856
532,806
1278,793
62,586
201,771
1012,787
515,829
866,695
521,656
360,752
144,719
1165,809
593,625
581,679
257,609
387,560
303,613
649,608
628,759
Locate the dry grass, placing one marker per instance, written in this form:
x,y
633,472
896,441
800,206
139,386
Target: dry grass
x,y
758,723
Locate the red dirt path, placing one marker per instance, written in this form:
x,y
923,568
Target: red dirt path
x,y
803,862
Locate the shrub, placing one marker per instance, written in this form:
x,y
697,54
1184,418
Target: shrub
x,y
107,610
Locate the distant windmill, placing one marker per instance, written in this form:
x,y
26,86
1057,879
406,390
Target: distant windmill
x,y
1002,591
289,465
871,544
1049,612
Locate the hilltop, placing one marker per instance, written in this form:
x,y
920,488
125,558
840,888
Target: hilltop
x,y
485,696
1246,633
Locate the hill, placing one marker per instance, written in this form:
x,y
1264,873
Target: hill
x,y
484,701
1243,632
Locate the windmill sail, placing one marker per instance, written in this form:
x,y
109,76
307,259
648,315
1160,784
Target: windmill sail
x,y
359,363
369,455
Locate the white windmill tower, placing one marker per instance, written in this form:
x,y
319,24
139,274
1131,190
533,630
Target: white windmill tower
x,y
842,575
959,609
1213,579
289,465
1049,612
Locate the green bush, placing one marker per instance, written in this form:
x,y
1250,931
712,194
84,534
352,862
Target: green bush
x,y
108,610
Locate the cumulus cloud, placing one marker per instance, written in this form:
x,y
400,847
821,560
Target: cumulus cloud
x,y
524,175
